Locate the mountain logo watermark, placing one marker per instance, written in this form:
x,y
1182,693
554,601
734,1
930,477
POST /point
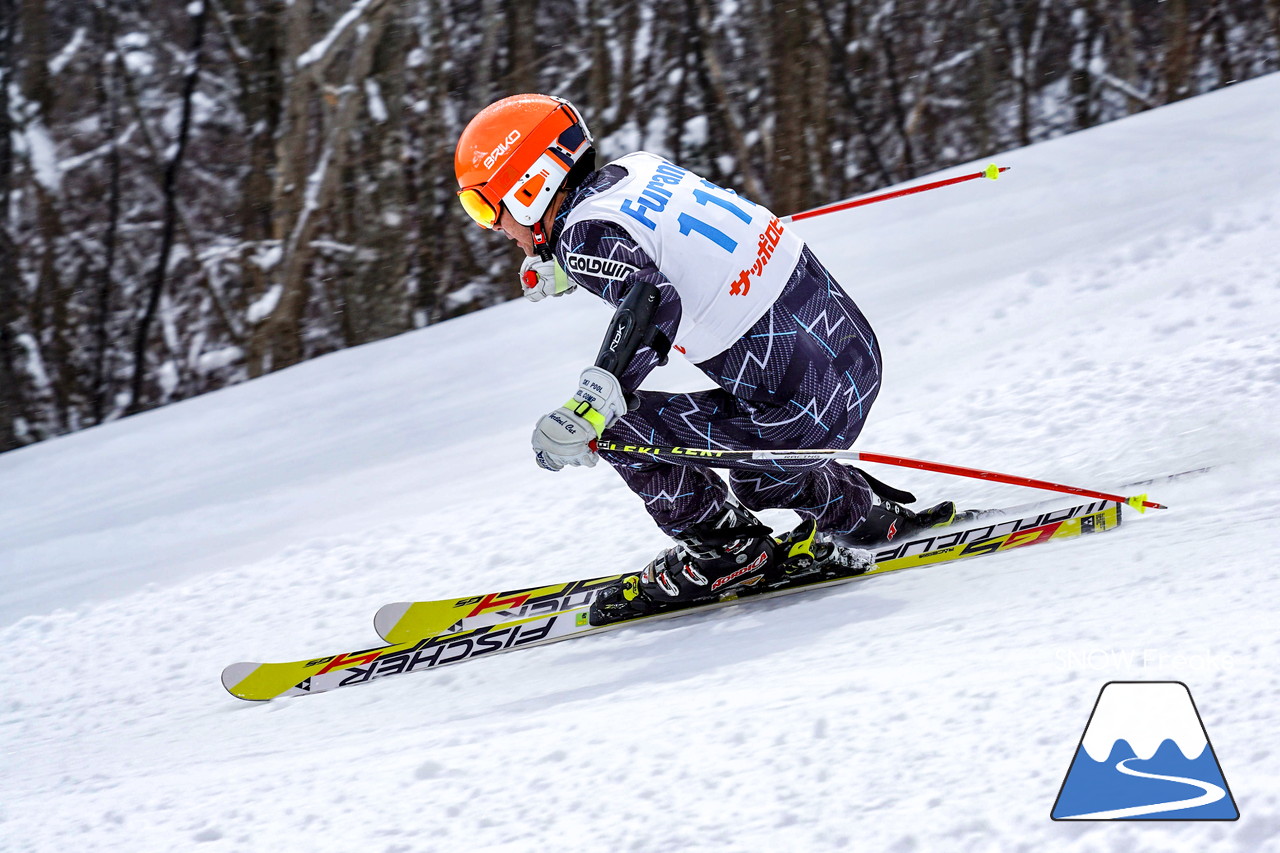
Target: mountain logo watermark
x,y
1145,755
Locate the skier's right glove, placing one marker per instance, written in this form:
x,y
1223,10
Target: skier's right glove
x,y
540,279
565,436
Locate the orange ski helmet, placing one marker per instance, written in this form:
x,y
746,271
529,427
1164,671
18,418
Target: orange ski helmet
x,y
518,152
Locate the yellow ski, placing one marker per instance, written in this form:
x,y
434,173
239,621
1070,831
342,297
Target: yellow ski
x,y
461,641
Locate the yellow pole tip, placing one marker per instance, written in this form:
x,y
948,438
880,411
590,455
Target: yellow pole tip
x,y
1138,502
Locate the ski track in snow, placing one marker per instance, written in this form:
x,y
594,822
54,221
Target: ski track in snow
x,y
1106,311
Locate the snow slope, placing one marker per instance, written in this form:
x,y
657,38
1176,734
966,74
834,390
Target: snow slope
x,y
1107,311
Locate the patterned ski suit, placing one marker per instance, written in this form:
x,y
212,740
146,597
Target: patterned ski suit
x,y
745,300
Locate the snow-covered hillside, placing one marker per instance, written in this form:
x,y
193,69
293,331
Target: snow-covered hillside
x,y
1109,310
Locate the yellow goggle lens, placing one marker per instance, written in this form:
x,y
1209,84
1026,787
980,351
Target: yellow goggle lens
x,y
478,208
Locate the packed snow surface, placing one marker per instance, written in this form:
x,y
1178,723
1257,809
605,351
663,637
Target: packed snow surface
x,y
1109,310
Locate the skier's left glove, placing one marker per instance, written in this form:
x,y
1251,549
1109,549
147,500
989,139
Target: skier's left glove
x,y
540,279
565,436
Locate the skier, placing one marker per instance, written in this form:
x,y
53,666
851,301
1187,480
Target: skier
x,y
696,268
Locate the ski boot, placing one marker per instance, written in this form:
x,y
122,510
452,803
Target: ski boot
x,y
731,551
887,520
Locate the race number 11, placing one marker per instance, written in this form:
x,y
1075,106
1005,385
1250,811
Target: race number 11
x,y
689,224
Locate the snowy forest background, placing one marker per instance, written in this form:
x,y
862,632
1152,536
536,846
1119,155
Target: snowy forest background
x,y
196,193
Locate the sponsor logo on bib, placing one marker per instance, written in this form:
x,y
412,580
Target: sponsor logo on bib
x,y
598,267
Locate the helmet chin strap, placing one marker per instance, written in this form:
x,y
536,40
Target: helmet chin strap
x,y
541,244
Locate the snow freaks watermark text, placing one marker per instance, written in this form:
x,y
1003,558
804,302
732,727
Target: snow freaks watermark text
x,y
1098,658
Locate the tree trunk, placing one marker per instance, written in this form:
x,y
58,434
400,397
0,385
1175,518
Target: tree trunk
x,y
276,335
624,86
682,40
256,28
1084,29
522,47
440,242
1220,44
1178,57
47,315
303,194
847,76
375,306
723,96
170,193
100,389
600,69
791,180
11,398
984,94
1273,15
1123,55
897,107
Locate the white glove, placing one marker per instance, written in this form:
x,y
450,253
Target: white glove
x,y
567,435
540,279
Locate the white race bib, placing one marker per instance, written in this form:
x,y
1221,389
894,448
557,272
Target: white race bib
x,y
727,257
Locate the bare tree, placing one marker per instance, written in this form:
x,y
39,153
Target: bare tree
x,y
11,408
306,182
199,16
100,384
372,276
1179,56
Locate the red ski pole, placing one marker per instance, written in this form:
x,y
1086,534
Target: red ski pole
x,y
993,171
1138,502
709,457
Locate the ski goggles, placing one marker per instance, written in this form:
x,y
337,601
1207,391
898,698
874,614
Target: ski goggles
x,y
482,211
